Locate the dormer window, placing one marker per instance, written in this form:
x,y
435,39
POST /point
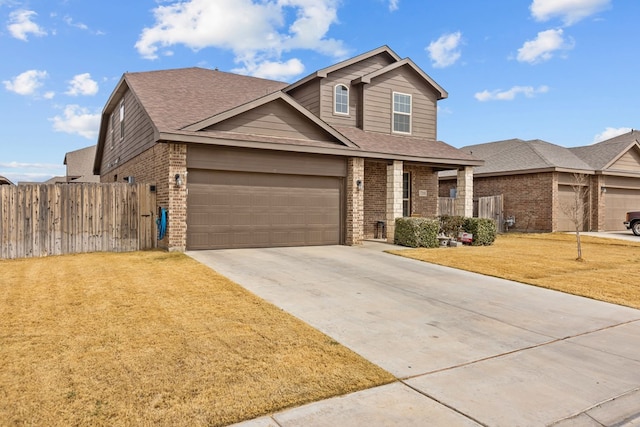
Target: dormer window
x,y
341,98
401,112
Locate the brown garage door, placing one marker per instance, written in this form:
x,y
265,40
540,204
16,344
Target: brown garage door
x,y
566,202
618,202
249,210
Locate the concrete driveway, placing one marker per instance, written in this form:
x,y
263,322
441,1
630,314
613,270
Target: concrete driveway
x,y
467,349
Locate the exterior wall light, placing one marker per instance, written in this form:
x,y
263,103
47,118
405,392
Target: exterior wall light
x,y
359,185
603,189
178,180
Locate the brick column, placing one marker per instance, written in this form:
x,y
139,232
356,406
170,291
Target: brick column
x,y
394,197
355,202
598,205
177,218
464,196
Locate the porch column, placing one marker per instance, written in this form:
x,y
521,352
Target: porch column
x,y
464,197
355,201
394,197
177,218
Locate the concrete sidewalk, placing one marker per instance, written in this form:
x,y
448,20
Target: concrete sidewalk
x,y
467,349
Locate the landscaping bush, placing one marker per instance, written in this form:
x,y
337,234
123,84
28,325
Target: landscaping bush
x,y
483,229
450,225
417,232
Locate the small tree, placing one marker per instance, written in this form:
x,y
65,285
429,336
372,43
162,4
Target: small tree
x,y
576,209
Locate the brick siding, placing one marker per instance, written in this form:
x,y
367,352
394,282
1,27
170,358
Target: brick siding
x,y
375,201
158,166
530,198
355,202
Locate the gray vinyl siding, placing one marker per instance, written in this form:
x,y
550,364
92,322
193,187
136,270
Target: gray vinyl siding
x,y
276,119
138,134
378,111
308,96
345,76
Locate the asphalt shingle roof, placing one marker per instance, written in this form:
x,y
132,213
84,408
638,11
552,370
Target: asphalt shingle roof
x,y
177,98
402,145
514,155
601,154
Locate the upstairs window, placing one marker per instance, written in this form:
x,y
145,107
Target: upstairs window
x,y
341,97
122,119
401,113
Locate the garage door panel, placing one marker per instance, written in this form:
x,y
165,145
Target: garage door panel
x,y
618,202
566,198
256,214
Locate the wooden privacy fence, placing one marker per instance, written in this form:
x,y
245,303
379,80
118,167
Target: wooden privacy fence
x,y
483,207
491,207
55,219
446,206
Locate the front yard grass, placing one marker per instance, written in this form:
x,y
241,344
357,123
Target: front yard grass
x,y
155,338
610,270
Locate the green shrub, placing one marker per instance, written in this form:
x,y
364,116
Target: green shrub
x,y
450,225
483,229
417,232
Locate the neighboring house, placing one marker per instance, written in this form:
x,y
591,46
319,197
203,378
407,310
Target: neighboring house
x,y
5,181
240,161
79,165
536,178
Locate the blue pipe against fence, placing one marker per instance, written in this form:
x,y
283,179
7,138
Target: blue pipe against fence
x,y
161,222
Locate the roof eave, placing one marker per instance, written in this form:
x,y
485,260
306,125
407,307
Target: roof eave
x,y
345,151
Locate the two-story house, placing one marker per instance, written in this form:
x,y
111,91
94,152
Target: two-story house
x,y
239,161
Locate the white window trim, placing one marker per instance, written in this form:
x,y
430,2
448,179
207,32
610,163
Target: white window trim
x,y
121,122
335,111
394,112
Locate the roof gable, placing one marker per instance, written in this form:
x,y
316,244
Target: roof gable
x,y
628,161
403,63
603,155
324,72
266,105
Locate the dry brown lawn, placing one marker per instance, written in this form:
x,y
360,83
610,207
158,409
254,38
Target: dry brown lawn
x,y
610,270
154,338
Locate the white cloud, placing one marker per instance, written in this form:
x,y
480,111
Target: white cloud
x,y
609,133
445,51
20,165
21,25
254,30
30,172
273,70
26,83
570,11
394,5
509,95
77,120
80,25
82,84
543,46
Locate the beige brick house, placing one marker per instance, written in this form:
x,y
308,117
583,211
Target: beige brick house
x,y
536,178
240,161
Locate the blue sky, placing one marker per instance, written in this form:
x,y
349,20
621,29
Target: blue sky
x,y
565,71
